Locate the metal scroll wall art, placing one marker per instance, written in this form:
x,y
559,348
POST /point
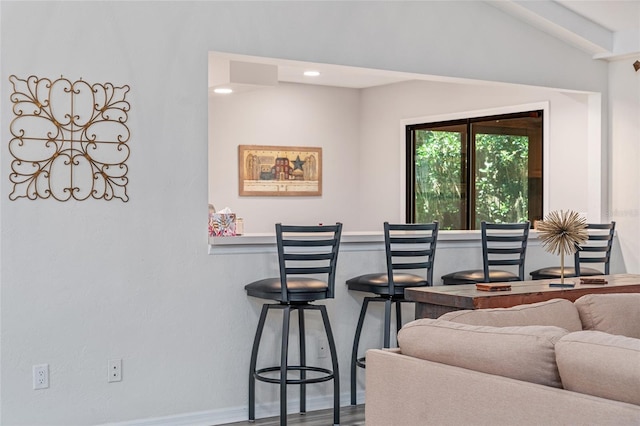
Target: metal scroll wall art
x,y
69,139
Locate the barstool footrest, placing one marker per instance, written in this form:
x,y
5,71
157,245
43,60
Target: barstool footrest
x,y
328,375
362,362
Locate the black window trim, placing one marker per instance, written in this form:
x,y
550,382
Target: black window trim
x,y
525,111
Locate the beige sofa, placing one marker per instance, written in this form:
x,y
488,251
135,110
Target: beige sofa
x,y
547,363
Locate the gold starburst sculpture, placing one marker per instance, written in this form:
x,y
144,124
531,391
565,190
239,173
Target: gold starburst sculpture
x,y
562,232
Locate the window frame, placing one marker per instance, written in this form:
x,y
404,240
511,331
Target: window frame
x,y
407,172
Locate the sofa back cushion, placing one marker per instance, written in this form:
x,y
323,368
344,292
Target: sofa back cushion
x,y
600,364
617,313
557,312
523,353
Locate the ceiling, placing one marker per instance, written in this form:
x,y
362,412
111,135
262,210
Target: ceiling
x,y
606,29
290,71
612,15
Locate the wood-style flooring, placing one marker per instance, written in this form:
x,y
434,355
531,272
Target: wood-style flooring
x,y
349,416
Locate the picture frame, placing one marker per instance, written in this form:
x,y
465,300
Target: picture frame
x,y
279,171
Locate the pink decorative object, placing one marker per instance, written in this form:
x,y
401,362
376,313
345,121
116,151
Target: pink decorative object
x,y
222,224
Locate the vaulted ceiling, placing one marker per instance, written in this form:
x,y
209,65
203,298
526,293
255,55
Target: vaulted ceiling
x,y
607,29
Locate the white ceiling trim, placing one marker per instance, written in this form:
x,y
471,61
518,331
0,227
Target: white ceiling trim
x,y
573,28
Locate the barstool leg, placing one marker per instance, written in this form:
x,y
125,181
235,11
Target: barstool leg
x,y
354,351
254,359
334,363
398,317
284,352
303,361
387,322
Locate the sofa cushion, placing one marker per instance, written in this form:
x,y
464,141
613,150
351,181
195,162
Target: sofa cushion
x,y
600,364
617,313
557,312
523,353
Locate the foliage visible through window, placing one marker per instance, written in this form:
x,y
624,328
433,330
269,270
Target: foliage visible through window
x,y
463,172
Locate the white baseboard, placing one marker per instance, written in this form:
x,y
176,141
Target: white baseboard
x,y
237,414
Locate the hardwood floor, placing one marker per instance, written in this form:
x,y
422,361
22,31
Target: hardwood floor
x,y
349,416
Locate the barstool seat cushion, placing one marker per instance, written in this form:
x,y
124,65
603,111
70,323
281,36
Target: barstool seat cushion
x,y
379,283
477,276
301,289
554,272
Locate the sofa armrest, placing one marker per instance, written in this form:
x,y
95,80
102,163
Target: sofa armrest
x,y
402,391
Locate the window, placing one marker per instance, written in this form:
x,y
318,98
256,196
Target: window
x,y
465,171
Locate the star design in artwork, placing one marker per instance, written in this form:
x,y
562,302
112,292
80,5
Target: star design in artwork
x,y
297,163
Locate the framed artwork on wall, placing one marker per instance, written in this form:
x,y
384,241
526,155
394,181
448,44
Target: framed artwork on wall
x,y
279,170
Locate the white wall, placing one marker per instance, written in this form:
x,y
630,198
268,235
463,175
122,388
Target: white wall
x,y
290,115
85,282
624,113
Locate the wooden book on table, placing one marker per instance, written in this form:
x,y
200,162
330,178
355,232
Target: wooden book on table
x,y
493,287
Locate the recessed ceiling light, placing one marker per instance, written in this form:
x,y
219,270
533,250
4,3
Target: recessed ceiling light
x,y
223,90
312,73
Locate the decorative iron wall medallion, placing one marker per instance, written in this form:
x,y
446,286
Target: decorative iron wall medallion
x,y
69,139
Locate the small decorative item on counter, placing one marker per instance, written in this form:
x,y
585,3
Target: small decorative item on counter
x,y
493,287
239,226
562,232
222,223
591,281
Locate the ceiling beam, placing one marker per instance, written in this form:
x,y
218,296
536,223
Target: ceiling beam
x,y
555,19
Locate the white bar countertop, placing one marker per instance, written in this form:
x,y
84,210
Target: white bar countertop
x,y
359,237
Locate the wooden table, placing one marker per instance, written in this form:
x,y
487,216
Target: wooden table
x,y
431,302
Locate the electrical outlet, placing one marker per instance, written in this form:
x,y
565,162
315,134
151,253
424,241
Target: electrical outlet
x,y
41,376
114,367
323,349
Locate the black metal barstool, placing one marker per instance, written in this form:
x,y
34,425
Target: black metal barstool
x,y
302,251
407,247
597,249
503,244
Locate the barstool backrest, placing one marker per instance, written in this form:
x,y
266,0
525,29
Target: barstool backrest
x,y
597,248
410,246
308,250
504,244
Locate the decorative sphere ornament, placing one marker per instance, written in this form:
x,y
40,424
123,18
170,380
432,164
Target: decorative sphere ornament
x,y
562,232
